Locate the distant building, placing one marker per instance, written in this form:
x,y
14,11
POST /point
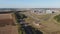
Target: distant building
x,y
41,12
48,11
51,11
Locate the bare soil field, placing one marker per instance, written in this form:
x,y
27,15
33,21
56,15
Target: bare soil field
x,y
7,24
8,29
5,16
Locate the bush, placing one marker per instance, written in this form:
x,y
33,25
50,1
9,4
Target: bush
x,y
57,18
19,16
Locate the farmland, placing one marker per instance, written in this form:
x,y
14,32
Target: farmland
x,y
7,24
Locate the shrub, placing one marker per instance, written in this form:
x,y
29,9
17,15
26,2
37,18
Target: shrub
x,y
57,18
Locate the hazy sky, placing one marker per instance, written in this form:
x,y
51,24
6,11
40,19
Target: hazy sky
x,y
29,3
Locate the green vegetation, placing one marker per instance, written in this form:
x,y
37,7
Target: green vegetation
x,y
18,17
20,30
57,17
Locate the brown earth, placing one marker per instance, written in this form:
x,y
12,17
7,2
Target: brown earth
x,y
7,24
8,29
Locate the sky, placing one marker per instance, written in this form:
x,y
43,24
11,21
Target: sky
x,y
29,3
